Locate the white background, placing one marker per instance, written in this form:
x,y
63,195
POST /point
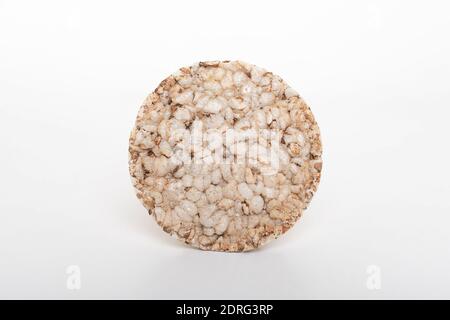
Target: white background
x,y
74,73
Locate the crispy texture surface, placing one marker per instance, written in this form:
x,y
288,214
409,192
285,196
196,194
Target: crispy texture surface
x,y
225,155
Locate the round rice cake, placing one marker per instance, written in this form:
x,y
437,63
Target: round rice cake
x,y
225,155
